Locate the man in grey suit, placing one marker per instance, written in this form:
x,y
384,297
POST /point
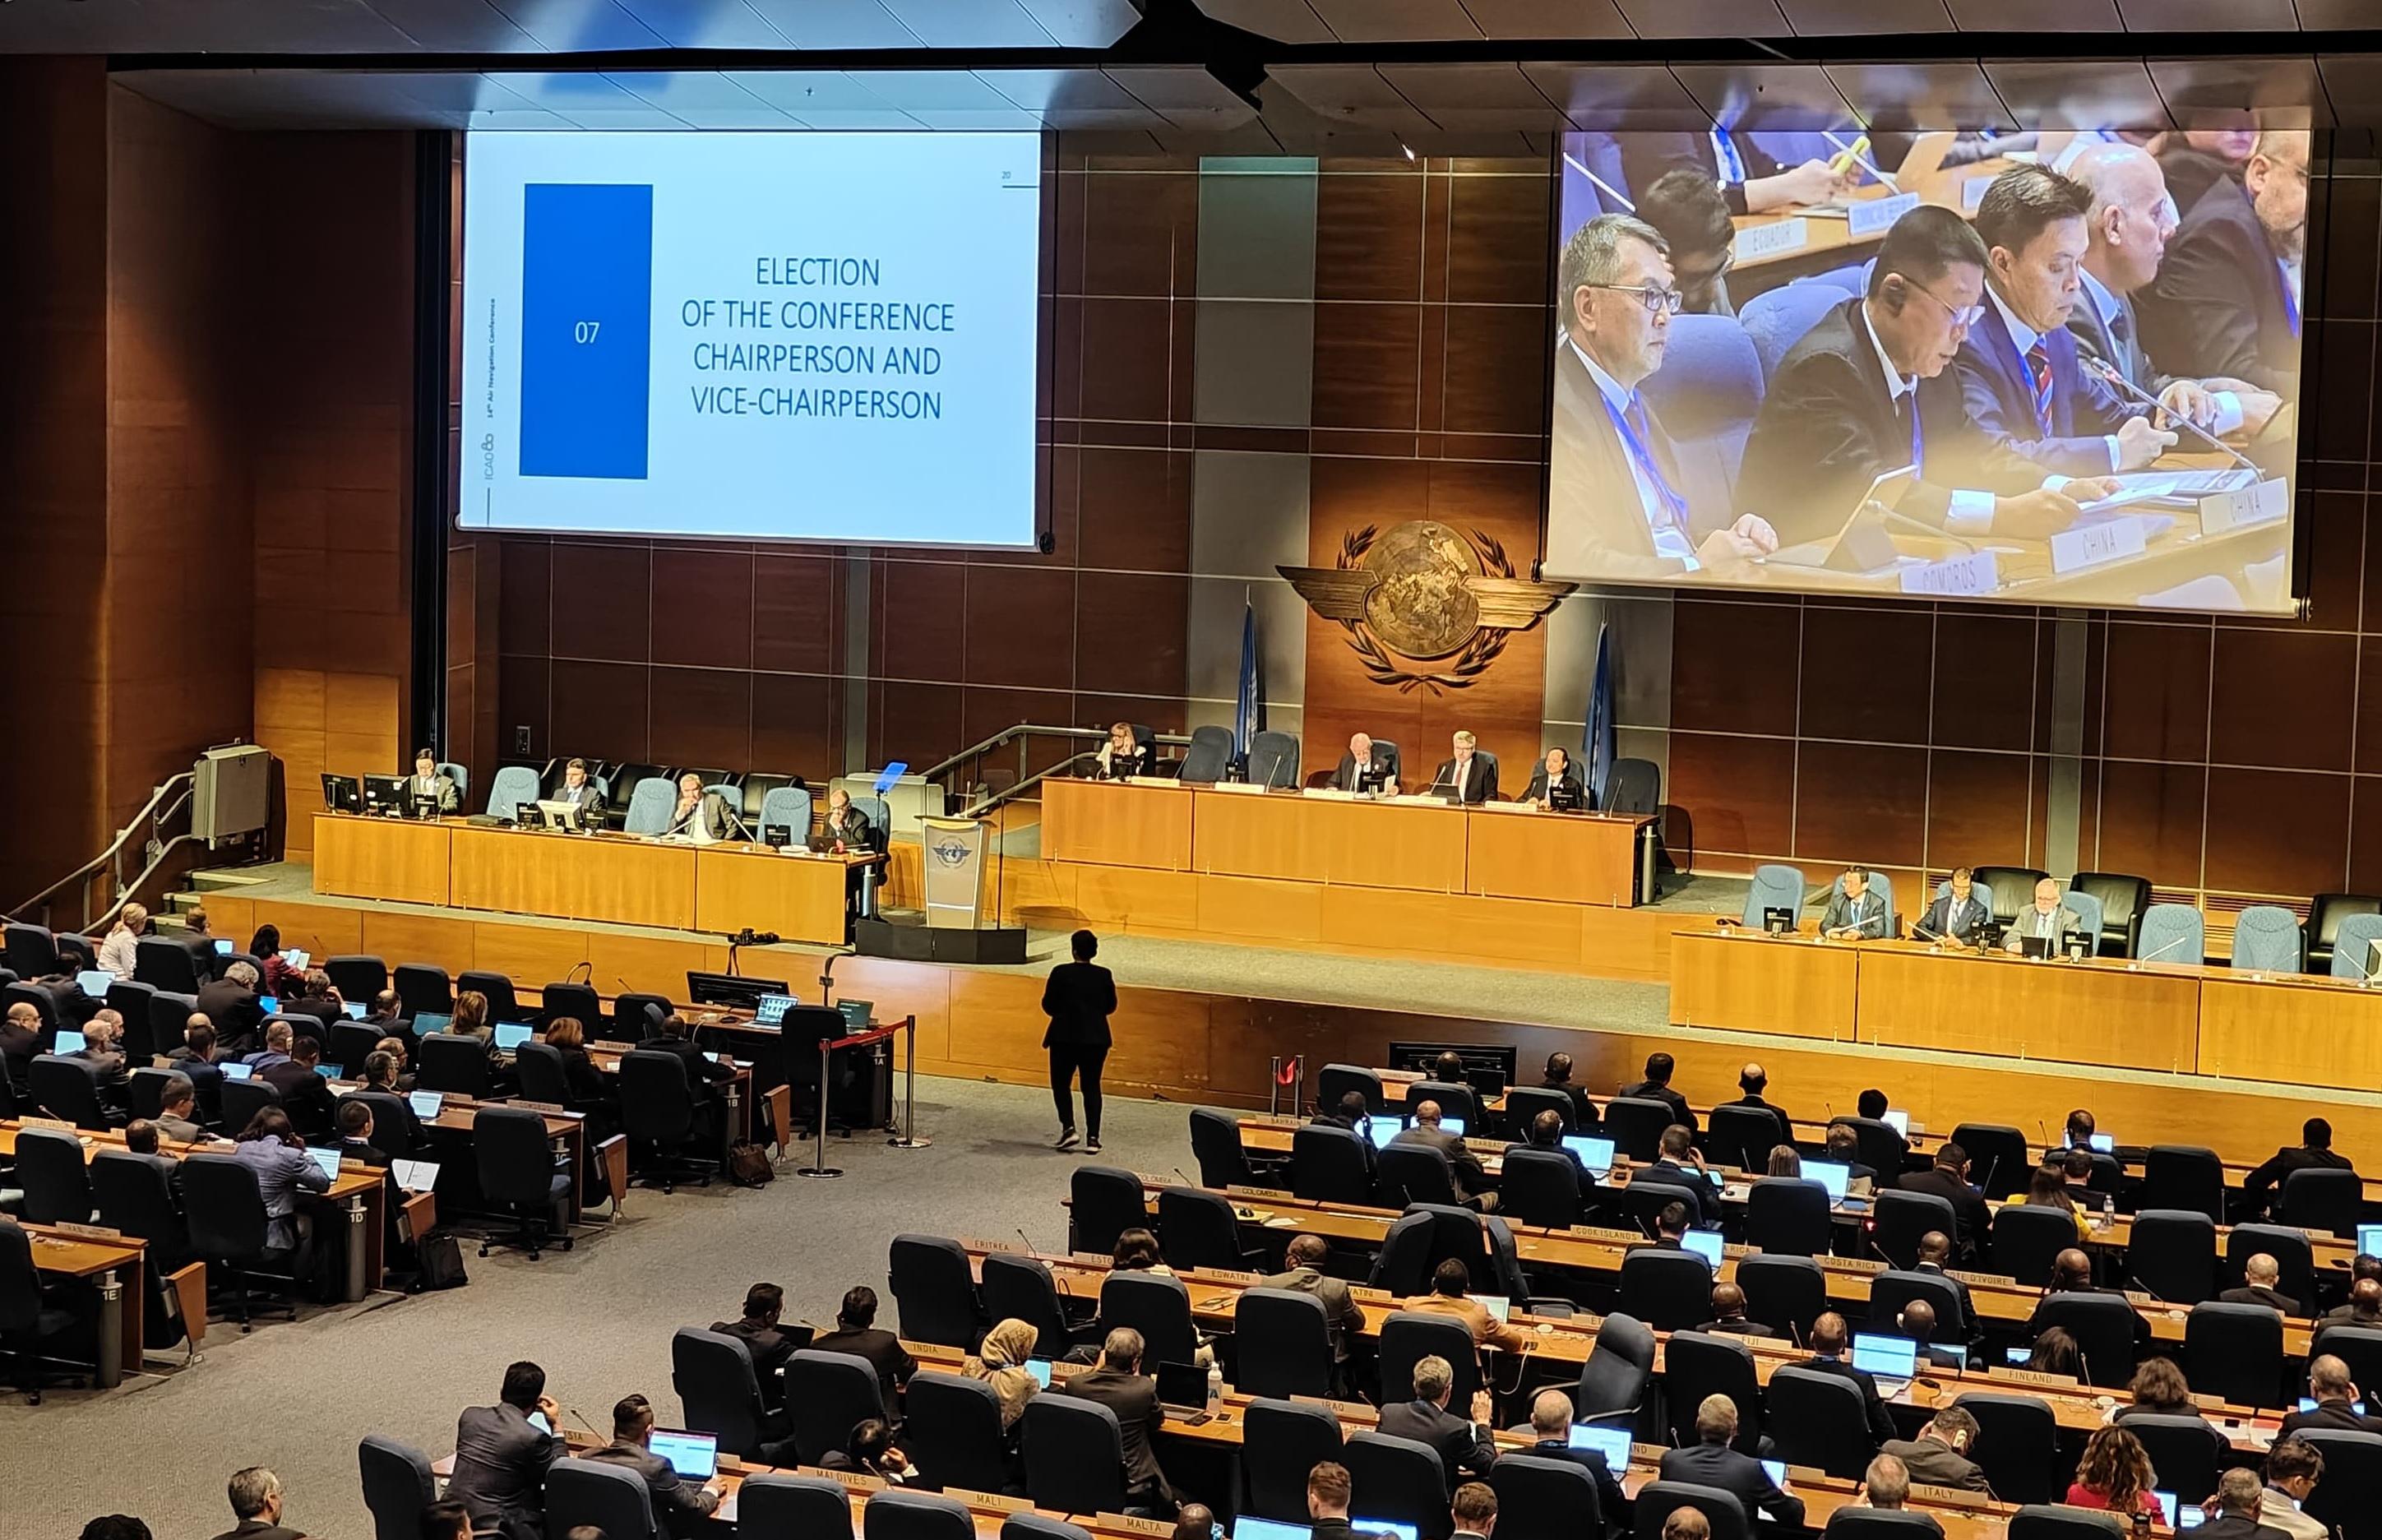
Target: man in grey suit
x,y
1939,1456
1854,912
1342,1315
1470,1176
1463,1446
426,784
579,792
2046,917
501,1456
681,1507
1118,1384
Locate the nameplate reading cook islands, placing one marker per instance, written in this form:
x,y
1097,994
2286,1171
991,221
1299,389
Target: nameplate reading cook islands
x,y
1865,217
1972,573
1774,239
2102,541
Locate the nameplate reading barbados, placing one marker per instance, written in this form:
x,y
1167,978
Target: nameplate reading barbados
x,y
810,335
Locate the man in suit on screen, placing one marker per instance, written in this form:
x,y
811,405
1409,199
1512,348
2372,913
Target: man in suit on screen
x,y
1617,507
2226,301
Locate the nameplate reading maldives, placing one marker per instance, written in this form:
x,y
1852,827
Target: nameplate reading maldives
x,y
1775,240
1869,217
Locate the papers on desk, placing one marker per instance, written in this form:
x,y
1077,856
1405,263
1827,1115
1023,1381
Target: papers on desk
x,y
2178,490
415,1176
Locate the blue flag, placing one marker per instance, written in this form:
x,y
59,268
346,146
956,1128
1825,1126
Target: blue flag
x,y
1596,741
1249,716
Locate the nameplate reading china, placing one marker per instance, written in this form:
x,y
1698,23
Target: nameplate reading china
x,y
2094,544
1777,240
1972,573
1865,217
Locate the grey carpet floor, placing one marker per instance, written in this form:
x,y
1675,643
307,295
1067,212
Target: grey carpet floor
x,y
298,1397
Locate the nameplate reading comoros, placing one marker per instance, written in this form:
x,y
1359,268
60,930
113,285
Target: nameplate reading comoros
x,y
2095,544
1865,217
1972,573
87,1232
992,1501
1773,239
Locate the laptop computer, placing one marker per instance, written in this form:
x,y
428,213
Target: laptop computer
x,y
1381,1127
327,1071
2103,1144
415,1176
772,1009
694,1455
1594,1153
1453,1125
2369,1240
326,1159
1612,1443
1897,1120
68,1041
1777,1469
856,1013
1500,1308
432,1022
1268,1529
424,1103
1705,1244
354,1009
2165,1501
2307,1403
230,1071
93,982
1183,1386
223,946
512,1034
1385,1529
269,1004
1040,1369
1885,1357
1828,1174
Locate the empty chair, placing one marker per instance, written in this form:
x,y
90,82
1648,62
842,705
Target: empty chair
x,y
1398,1480
778,1506
1329,1163
456,1066
356,976
1210,754
352,1042
2329,932
1775,886
1635,1124
2123,900
2352,954
1539,1499
164,963
594,1492
136,1195
1620,1366
935,1292
2102,1326
1198,1228
719,1392
1216,1145
2183,1176
1879,1523
826,1394
2026,1239
1156,1306
1281,1442
1539,1187
787,808
1404,1265
1789,1215
1284,1343
508,789
1785,1293
398,1485
32,950
2349,1496
1903,1218
169,1014
2183,1453
2017,1444
1075,1455
2294,1259
1022,1288
2323,1198
1697,1365
1274,760
1523,1105
519,1172
635,1018
659,1115
649,806
1408,1337
1668,1290
229,1229
242,1100
1723,1515
146,1090
1998,1162
1104,1202
1819,1419
55,1181
67,1088
2058,1521
543,1078
2172,933
1636,787
1034,1526
2172,1255
1408,1173
1336,1080
424,986
2236,1351
580,1003
898,1515
951,1424
1743,1137
2268,938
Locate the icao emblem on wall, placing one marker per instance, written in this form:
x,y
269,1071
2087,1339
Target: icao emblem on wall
x,y
1424,593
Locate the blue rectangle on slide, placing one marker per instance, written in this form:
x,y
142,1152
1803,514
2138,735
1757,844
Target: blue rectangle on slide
x,y
587,282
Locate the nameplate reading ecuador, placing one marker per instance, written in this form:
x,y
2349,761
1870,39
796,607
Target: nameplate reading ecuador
x,y
1872,217
1972,573
2096,544
1773,240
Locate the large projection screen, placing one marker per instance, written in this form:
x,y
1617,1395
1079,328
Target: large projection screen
x,y
1942,365
823,337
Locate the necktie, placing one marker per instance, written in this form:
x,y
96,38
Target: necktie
x,y
2121,334
2038,366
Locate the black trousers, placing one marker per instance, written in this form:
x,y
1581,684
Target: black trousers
x,y
1065,1063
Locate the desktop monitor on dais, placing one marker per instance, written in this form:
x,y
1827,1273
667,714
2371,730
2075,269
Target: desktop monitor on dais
x,y
2030,368
825,337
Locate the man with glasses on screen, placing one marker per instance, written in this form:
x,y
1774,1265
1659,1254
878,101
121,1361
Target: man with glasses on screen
x,y
2226,301
1867,391
1617,506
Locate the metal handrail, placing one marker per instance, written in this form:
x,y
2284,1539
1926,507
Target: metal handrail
x,y
183,781
1001,798
1019,734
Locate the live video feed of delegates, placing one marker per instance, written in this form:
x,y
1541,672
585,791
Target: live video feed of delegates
x,y
2044,367
802,336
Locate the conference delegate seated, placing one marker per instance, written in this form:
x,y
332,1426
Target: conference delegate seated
x,y
1366,767
1449,1282
579,792
681,1507
699,815
1550,1431
1556,784
1854,913
120,951
1939,1456
1691,212
1116,1381
233,1005
847,829
426,787
1752,1080
103,1049
1954,916
502,1455
1304,1262
1468,774
2226,301
1122,756
1710,1462
2071,1272
1463,1444
21,1039
2046,918
857,1333
2337,1399
1728,1315
2315,1152
1470,1178
1831,1338
1656,1086
1750,179
305,1095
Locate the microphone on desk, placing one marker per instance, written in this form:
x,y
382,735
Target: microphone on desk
x,y
588,968
573,1412
2144,1287
2091,358
1186,1181
1024,1236
2162,951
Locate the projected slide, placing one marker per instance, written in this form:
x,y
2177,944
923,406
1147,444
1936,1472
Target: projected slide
x,y
798,336
2047,368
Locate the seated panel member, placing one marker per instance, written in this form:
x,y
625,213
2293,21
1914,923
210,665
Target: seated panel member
x,y
2226,298
1749,178
1616,502
1854,911
701,816
1956,915
1689,210
1367,766
1867,391
2046,917
2026,396
847,829
579,792
1469,773
1556,780
1122,756
426,784
2128,228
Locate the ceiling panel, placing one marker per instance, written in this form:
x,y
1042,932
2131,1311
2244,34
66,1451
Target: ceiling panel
x,y
2353,86
2318,16
588,101
702,99
1548,18
1347,93
2219,16
1705,17
1793,96
1187,98
331,99
1474,98
167,26
2215,94
1083,23
456,26
1617,97
2035,15
835,24
823,99
1250,137
1284,20
706,23
1395,20
2069,93
574,26
1056,92
1856,17
969,23
1953,94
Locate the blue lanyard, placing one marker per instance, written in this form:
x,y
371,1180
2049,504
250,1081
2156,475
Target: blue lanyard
x,y
2290,301
1725,159
1674,506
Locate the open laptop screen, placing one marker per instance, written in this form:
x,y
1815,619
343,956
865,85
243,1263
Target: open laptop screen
x,y
694,1455
1594,1153
1705,1244
1829,1175
1895,1357
1612,1443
